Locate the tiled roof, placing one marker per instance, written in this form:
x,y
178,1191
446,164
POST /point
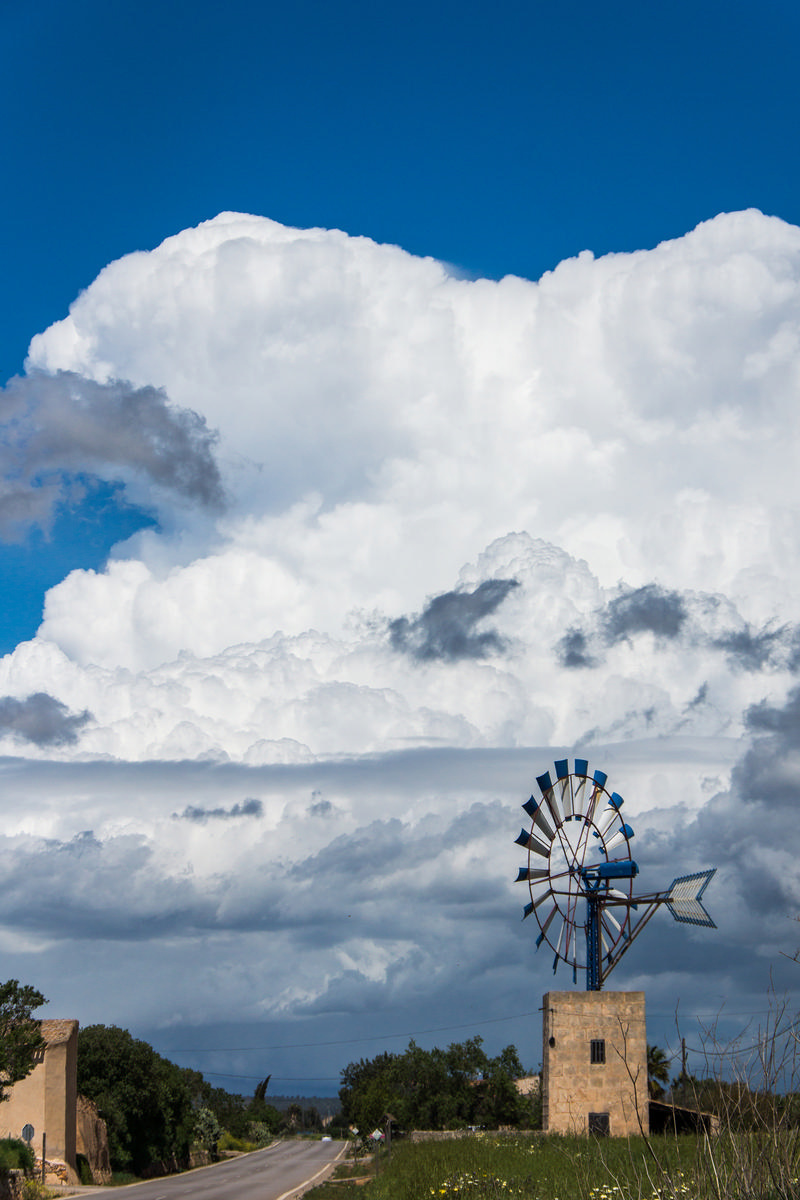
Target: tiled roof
x,y
58,1031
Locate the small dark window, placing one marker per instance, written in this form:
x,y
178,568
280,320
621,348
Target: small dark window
x,y
599,1125
597,1050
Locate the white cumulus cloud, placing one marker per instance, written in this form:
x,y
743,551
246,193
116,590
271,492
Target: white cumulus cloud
x,y
411,526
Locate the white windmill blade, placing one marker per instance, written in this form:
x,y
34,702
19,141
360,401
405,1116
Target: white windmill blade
x,y
683,899
609,815
534,811
534,904
623,834
549,796
547,923
578,792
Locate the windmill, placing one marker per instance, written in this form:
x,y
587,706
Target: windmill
x,y
581,874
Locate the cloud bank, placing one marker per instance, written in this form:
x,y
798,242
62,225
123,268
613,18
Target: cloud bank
x,y
418,535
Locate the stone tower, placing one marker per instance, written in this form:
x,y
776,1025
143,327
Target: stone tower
x,y
594,1063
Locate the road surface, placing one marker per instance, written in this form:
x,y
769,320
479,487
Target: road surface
x,y
270,1174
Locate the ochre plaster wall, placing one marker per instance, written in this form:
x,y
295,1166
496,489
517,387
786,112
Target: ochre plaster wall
x,y
47,1098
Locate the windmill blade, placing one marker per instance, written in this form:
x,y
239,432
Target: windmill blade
x,y
560,938
532,843
625,833
558,945
528,873
579,792
607,818
546,785
534,904
535,813
599,779
565,780
607,916
684,896
548,922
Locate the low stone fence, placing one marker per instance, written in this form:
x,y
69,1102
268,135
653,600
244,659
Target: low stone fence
x,y
11,1183
444,1135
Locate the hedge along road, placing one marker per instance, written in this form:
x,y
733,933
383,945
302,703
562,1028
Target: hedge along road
x,y
272,1174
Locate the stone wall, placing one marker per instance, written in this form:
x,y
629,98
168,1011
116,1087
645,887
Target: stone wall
x,y
600,1088
11,1185
92,1140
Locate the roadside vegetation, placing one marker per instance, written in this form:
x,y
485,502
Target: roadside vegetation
x,y
159,1115
454,1088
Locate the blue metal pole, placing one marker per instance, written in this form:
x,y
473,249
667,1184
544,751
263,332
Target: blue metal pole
x,y
593,979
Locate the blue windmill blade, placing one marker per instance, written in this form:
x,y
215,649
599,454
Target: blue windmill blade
x,y
684,897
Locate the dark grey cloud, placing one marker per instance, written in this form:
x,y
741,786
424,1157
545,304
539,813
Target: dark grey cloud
x,y
669,615
56,428
92,888
783,721
648,609
446,629
247,808
753,650
750,833
41,719
573,650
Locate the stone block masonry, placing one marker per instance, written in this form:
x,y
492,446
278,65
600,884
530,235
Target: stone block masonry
x,y
594,1063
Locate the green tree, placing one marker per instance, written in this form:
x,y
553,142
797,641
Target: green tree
x,y
143,1098
20,1034
657,1072
435,1089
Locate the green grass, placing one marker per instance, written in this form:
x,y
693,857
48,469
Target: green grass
x,y
535,1168
729,1166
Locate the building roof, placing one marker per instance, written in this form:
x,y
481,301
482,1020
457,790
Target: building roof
x,y
54,1032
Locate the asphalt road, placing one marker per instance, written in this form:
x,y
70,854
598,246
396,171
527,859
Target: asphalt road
x,y
270,1174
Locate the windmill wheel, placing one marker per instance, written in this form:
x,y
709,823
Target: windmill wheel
x,y
577,846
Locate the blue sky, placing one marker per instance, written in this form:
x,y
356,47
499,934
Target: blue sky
x,y
333,453
500,139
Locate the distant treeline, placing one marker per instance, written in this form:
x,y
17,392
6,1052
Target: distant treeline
x,y
326,1106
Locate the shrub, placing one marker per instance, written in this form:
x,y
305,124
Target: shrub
x,y
16,1155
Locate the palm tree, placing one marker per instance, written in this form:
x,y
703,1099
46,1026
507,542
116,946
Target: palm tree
x,y
657,1071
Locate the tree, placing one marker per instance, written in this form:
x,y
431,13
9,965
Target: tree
x,y
207,1130
657,1072
435,1089
20,1034
144,1099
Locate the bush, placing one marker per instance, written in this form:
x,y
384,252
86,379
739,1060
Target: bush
x,y
84,1170
229,1142
16,1155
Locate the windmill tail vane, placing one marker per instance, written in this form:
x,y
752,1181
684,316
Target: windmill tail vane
x,y
684,896
579,862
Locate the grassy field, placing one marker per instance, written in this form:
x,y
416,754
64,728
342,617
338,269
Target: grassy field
x,y
560,1168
